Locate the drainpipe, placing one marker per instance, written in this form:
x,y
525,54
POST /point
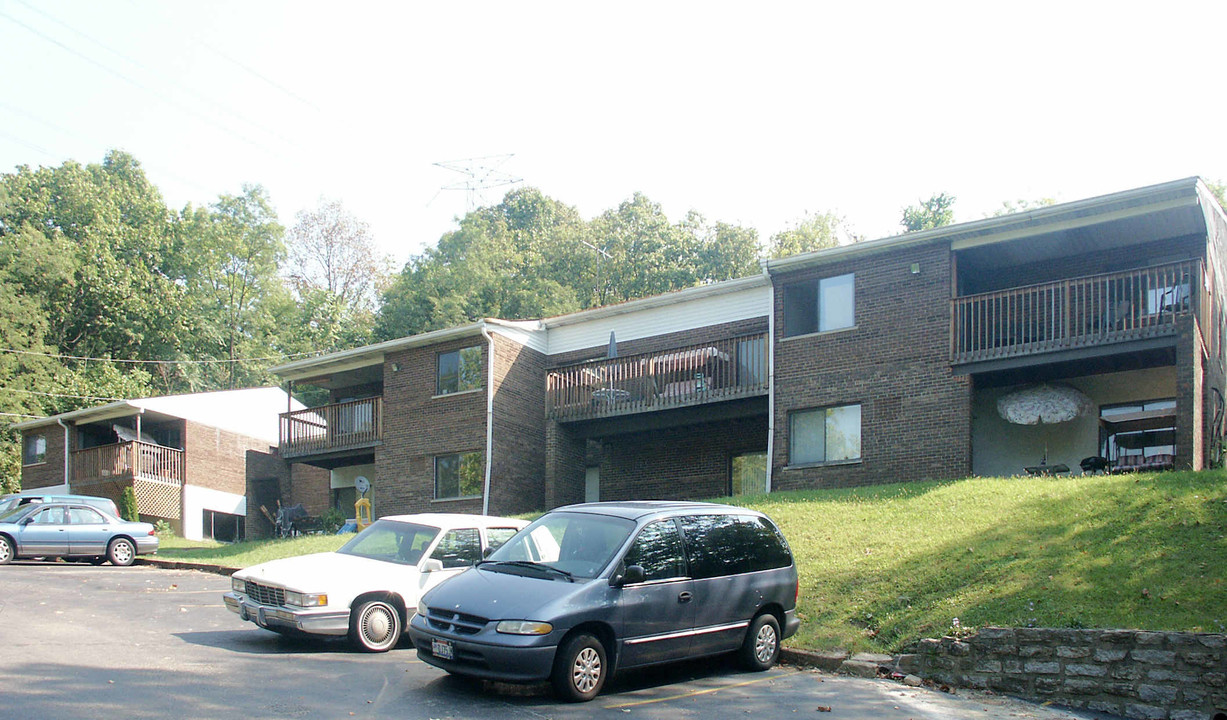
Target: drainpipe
x,y
770,377
485,495
67,480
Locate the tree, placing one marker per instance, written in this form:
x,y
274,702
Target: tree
x,y
1009,207
1219,190
336,275
813,232
932,213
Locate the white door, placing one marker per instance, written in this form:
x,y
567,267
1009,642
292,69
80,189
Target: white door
x,y
592,484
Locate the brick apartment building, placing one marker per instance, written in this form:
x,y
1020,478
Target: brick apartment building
x,y
876,362
185,456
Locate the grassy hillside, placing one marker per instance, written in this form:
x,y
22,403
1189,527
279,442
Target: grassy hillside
x,y
884,566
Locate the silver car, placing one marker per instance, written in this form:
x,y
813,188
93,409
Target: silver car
x,y
73,530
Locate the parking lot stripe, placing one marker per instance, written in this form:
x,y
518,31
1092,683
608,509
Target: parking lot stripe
x,y
695,693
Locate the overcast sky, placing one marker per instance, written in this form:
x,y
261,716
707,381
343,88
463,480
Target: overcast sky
x,y
754,113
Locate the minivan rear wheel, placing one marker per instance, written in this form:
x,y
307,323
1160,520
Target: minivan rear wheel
x,y
761,648
579,668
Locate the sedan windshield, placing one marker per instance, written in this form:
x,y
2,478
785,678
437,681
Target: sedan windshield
x,y
398,542
579,544
14,514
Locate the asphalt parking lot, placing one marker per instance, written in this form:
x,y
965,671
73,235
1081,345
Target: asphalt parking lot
x,y
142,642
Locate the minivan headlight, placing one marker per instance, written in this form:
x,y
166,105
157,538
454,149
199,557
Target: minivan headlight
x,y
524,627
422,607
237,585
306,599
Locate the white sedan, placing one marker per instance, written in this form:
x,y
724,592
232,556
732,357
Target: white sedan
x,y
370,587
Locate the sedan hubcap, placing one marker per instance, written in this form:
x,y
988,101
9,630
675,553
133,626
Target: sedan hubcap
x,y
123,553
587,671
4,551
377,625
764,644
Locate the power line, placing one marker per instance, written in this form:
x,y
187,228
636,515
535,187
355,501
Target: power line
x,y
210,361
155,93
60,395
22,415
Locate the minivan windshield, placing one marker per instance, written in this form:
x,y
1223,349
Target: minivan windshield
x,y
579,545
398,542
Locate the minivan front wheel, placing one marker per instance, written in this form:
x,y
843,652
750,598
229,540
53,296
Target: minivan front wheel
x,y
761,648
579,668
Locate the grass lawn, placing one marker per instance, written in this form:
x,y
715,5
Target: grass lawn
x,y
884,566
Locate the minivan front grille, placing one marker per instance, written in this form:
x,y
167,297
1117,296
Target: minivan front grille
x,y
455,622
265,594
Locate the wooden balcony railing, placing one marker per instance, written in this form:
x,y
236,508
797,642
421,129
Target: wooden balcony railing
x,y
127,461
691,375
1073,313
328,428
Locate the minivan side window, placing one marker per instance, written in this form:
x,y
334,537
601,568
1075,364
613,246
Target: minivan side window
x,y
658,550
720,545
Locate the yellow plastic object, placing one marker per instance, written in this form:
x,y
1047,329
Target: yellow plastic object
x,y
362,511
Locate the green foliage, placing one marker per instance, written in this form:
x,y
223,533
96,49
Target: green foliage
x,y
1219,190
331,521
813,232
164,530
127,505
531,256
935,212
1009,207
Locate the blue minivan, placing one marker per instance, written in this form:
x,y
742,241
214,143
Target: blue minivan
x,y
587,590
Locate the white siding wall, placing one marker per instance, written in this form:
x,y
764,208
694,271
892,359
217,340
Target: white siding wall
x,y
674,317
197,499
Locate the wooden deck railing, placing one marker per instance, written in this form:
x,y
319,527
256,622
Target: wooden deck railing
x,y
1074,313
127,461
691,375
327,428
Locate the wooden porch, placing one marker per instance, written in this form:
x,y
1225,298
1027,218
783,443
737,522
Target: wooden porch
x,y
726,369
154,472
337,427
1075,313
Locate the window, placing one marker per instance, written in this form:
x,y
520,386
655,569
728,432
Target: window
x,y
729,544
34,450
50,516
497,537
820,305
458,476
84,516
824,435
658,550
458,548
459,371
1138,432
752,361
748,474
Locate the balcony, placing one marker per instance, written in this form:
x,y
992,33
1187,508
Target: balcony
x,y
727,369
1076,313
154,472
339,427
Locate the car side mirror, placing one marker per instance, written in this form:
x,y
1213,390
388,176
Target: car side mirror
x,y
633,574
431,565
485,553
27,520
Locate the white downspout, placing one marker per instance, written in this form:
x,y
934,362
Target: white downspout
x,y
770,376
67,478
485,495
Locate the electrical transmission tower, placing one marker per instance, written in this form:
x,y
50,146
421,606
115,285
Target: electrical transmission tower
x,y
480,174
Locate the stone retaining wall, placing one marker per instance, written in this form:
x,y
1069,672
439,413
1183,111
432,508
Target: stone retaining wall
x,y
1148,675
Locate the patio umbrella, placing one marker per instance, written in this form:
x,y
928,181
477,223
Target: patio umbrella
x,y
612,352
1043,404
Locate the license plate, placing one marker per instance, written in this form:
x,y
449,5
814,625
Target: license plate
x,y
442,649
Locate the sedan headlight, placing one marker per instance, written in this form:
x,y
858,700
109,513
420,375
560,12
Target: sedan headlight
x,y
237,585
524,627
306,599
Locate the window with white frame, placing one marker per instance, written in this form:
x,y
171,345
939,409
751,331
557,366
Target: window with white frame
x,y
34,449
822,435
820,305
459,475
459,371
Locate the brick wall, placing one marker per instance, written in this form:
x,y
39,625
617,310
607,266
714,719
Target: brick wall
x,y
1151,675
517,478
418,426
683,463
50,472
217,459
915,414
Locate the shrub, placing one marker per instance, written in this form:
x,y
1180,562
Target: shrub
x,y
127,505
331,521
